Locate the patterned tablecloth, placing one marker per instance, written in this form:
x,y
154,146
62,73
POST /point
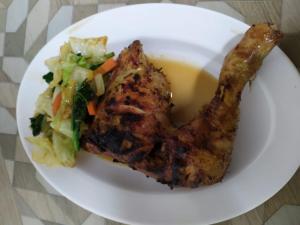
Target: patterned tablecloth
x,y
25,26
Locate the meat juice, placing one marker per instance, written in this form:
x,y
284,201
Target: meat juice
x,y
191,87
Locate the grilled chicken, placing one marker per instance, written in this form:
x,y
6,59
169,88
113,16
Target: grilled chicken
x,y
135,106
133,123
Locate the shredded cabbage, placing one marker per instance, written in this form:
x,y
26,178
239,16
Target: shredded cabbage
x,y
67,68
93,48
72,76
65,50
44,153
58,152
64,149
81,74
44,103
52,63
100,87
62,126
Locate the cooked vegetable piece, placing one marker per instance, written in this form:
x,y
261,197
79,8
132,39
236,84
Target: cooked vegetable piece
x,y
65,50
48,77
91,107
57,78
62,126
63,149
109,55
86,91
80,74
68,68
56,103
56,91
36,124
105,57
68,94
79,111
82,62
65,108
44,102
58,151
53,63
78,114
100,87
44,153
94,66
89,47
76,134
106,67
76,67
77,59
46,128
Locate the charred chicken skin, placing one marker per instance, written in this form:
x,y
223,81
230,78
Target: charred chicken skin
x,y
132,124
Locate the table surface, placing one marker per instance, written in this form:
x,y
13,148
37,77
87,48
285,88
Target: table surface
x,y
25,26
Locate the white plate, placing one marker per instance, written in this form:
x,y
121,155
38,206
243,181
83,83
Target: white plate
x,y
266,153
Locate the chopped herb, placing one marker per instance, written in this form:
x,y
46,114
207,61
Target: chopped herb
x,y
82,62
76,135
86,91
48,77
105,57
79,111
94,66
67,72
36,124
109,55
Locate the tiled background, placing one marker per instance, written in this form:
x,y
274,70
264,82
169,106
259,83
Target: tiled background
x,y
25,26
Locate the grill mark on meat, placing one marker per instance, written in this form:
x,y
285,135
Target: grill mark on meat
x,y
128,118
177,165
181,149
136,157
136,78
142,93
157,159
127,100
134,102
113,140
130,86
109,111
111,101
93,138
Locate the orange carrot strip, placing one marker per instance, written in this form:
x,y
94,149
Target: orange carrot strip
x,y
91,107
107,66
56,103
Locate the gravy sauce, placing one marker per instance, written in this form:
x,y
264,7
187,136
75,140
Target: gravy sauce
x,y
191,87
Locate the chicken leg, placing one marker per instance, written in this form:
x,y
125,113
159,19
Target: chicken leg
x,y
133,126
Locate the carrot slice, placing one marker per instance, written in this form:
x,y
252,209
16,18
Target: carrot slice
x,y
91,107
107,66
56,103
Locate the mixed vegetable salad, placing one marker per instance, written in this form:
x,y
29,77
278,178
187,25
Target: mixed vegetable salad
x,y
76,79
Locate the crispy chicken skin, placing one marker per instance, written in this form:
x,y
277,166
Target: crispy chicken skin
x,y
132,123
135,106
